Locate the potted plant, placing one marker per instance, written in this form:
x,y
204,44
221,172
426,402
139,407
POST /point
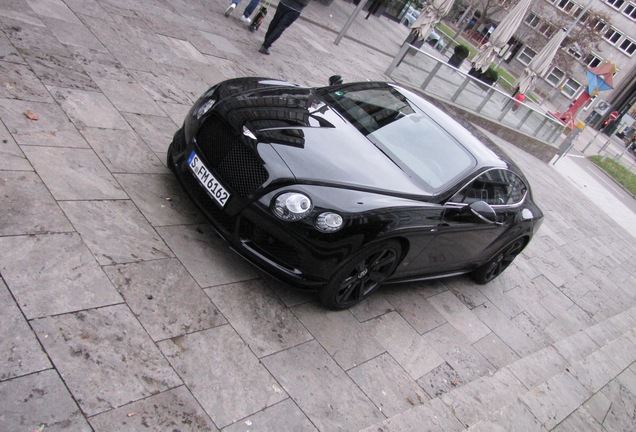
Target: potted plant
x,y
490,76
459,55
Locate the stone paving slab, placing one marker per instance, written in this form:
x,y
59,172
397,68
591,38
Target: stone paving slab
x,y
61,276
164,297
495,351
348,349
52,127
89,108
284,416
312,378
28,207
11,157
159,199
470,402
231,383
20,352
105,357
205,256
387,385
74,174
415,308
124,152
556,399
39,400
459,316
115,231
414,353
21,82
122,310
259,317
175,409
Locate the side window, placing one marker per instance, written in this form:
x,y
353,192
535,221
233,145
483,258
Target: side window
x,y
495,187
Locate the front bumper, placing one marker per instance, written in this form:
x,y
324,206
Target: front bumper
x,y
288,252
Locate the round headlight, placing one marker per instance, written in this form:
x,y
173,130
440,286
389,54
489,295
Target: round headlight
x,y
328,222
291,206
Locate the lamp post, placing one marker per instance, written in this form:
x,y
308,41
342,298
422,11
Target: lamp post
x,y
575,22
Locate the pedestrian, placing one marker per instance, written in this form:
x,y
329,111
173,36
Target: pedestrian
x,y
519,99
246,13
286,13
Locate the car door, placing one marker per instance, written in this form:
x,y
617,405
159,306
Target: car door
x,y
462,237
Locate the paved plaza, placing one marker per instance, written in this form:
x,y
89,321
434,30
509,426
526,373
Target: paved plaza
x,y
122,311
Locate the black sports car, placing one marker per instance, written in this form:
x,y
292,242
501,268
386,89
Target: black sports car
x,y
341,188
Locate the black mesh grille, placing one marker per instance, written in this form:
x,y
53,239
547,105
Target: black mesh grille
x,y
223,150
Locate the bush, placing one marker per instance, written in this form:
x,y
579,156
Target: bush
x,y
461,51
490,75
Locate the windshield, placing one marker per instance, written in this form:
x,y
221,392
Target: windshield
x,y
405,133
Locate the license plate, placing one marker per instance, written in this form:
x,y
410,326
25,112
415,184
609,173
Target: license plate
x,y
207,180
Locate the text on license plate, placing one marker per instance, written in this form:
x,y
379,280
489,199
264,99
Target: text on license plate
x,y
207,180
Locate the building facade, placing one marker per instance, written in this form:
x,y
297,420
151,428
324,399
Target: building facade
x,y
601,31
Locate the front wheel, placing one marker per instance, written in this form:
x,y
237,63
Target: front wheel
x,y
357,278
499,262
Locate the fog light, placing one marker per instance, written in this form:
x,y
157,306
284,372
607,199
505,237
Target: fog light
x,y
291,206
329,222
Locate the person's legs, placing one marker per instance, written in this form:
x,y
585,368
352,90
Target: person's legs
x,y
283,18
274,22
231,7
249,9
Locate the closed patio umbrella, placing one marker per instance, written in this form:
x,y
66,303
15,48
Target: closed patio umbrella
x,y
540,63
430,16
500,37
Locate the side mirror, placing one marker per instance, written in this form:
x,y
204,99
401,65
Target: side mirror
x,y
335,79
483,211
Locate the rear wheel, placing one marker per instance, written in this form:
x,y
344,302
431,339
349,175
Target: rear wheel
x,y
499,262
361,275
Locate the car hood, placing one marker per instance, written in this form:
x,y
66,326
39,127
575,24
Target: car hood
x,y
313,140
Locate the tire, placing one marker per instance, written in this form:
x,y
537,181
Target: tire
x,y
361,275
497,264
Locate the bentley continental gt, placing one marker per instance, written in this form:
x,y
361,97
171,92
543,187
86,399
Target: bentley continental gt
x,y
341,188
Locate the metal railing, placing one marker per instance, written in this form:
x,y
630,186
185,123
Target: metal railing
x,y
447,83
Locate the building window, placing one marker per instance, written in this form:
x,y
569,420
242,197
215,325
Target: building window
x,y
616,4
555,76
630,10
592,60
532,19
570,87
566,5
597,25
584,18
547,29
526,55
575,51
628,46
612,36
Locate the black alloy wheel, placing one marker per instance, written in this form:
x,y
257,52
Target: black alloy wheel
x,y
361,275
499,262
